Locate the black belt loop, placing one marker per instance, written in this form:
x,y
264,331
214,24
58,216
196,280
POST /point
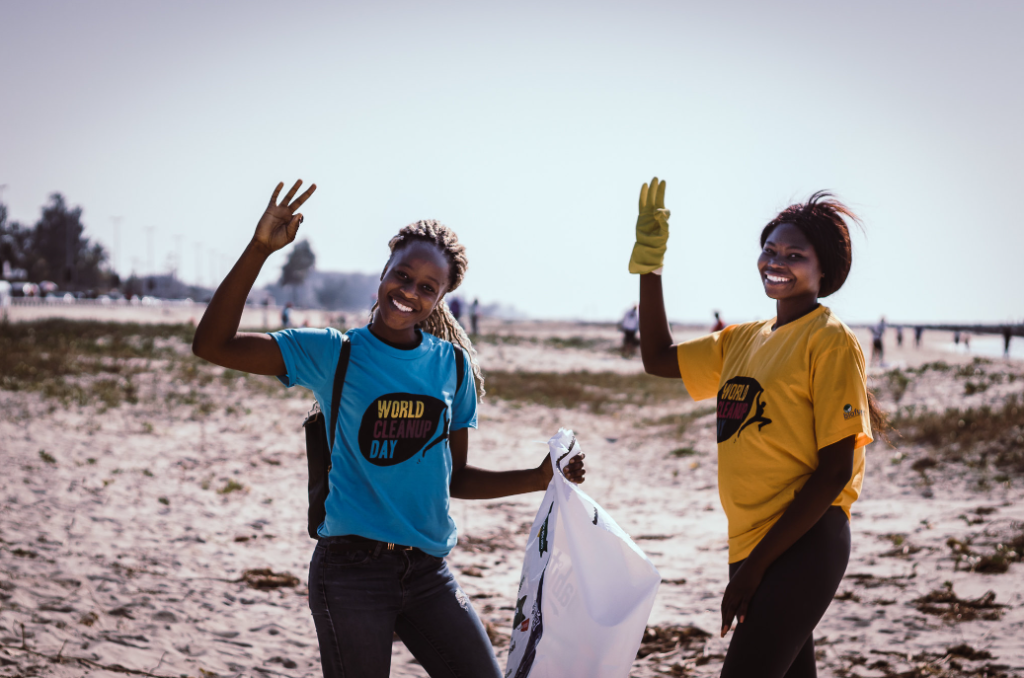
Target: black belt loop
x,y
377,549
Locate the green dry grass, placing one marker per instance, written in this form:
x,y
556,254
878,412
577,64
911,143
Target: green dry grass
x,y
573,342
56,357
101,363
979,437
596,391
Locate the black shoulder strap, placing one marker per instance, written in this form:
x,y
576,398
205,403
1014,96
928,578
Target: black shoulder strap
x,y
339,382
460,367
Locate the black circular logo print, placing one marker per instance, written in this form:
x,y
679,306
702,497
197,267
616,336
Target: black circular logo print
x,y
398,425
735,400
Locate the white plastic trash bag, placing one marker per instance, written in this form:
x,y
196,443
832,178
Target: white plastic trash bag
x,y
586,590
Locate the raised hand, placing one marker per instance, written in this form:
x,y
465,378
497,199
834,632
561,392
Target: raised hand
x,y
651,229
279,223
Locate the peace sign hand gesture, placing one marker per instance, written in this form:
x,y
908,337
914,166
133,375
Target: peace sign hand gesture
x,y
279,223
651,230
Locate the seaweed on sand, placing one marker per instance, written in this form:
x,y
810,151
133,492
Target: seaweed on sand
x,y
945,603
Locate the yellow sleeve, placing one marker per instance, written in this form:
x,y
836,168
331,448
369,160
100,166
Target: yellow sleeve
x,y
700,363
839,395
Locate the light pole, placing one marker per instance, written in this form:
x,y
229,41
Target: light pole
x,y
116,263
199,264
177,255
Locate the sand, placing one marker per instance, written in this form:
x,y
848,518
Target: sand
x,y
127,533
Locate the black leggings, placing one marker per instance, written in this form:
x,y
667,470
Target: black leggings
x,y
776,640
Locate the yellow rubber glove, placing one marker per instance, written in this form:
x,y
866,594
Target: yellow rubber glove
x,y
651,230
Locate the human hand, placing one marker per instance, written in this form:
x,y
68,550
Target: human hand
x,y
279,223
573,470
738,593
651,230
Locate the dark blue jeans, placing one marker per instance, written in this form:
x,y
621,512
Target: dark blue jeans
x,y
360,598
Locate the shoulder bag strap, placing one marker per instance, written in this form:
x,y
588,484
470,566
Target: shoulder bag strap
x,y
339,382
460,367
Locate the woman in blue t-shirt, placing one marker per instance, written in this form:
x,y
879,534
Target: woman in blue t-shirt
x,y
399,453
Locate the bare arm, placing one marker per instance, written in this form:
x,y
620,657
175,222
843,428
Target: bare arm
x,y
217,338
656,347
469,482
835,467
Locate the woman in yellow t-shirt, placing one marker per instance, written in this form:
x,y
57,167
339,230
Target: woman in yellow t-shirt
x,y
794,415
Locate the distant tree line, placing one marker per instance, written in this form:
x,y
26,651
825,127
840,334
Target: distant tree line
x,y
300,283
55,249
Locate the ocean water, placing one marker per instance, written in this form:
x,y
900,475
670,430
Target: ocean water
x,y
989,346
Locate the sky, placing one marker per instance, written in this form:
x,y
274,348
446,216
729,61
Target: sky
x,y
529,128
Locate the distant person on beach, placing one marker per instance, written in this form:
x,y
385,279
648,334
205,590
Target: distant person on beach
x,y
1006,342
956,340
899,336
719,324
286,315
474,316
399,450
967,343
918,331
455,306
629,325
794,415
877,345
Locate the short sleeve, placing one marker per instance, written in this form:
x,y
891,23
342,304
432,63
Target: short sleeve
x,y
310,356
464,403
839,395
700,363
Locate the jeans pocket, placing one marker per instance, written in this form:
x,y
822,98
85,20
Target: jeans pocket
x,y
348,558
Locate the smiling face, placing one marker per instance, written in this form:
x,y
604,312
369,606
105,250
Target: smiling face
x,y
412,284
788,265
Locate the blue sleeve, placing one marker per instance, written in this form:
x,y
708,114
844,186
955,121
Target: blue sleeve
x,y
464,403
310,357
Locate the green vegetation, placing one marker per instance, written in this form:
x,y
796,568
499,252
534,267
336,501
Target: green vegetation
x,y
574,342
973,369
230,486
56,357
47,457
937,366
897,383
102,363
598,391
977,436
503,339
42,250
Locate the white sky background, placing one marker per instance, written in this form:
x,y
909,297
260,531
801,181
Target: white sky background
x,y
529,128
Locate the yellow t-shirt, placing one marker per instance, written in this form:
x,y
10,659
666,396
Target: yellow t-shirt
x,y
782,396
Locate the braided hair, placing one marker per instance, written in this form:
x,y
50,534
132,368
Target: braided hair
x,y
441,323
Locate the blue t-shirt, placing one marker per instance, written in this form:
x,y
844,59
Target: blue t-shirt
x,y
391,464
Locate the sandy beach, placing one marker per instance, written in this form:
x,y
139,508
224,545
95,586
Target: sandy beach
x,y
153,508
